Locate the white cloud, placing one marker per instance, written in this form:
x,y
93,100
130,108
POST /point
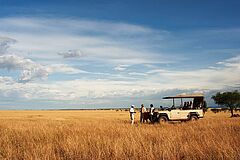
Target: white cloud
x,y
64,68
30,69
210,78
5,44
105,41
121,67
6,80
137,74
231,62
59,25
71,54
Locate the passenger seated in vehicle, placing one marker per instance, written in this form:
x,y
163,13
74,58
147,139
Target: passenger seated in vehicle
x,y
187,105
184,106
191,105
201,104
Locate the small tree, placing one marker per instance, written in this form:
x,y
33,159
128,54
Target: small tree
x,y
228,99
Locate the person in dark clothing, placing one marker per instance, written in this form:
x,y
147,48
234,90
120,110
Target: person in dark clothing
x,y
151,112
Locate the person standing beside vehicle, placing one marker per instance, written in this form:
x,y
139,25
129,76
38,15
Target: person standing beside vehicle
x,y
142,112
132,112
151,112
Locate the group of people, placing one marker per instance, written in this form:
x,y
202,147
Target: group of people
x,y
188,105
195,105
143,110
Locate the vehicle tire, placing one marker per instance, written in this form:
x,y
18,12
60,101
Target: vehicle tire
x,y
163,119
193,118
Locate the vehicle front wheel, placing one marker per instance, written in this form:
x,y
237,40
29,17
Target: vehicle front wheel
x,y
193,118
163,119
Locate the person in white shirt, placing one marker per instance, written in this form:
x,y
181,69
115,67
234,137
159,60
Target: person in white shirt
x,y
142,112
132,112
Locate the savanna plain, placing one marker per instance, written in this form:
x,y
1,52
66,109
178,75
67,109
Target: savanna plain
x,y
107,134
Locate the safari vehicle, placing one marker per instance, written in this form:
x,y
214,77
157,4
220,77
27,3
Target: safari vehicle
x,y
187,111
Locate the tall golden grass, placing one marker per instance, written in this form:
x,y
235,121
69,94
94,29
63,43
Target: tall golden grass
x,y
109,135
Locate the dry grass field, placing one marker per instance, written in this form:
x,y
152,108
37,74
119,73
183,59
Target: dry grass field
x,y
109,135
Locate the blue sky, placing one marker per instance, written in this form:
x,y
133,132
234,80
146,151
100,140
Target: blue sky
x,y
91,54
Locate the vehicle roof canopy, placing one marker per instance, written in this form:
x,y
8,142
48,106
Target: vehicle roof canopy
x,y
185,96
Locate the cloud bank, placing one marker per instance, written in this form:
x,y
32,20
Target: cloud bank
x,y
96,63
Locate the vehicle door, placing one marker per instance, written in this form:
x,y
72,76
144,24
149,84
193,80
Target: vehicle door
x,y
175,114
183,114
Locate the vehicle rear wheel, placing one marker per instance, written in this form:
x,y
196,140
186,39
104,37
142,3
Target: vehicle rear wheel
x,y
193,118
163,119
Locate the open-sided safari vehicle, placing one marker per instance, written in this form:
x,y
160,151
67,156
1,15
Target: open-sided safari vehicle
x,y
191,108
